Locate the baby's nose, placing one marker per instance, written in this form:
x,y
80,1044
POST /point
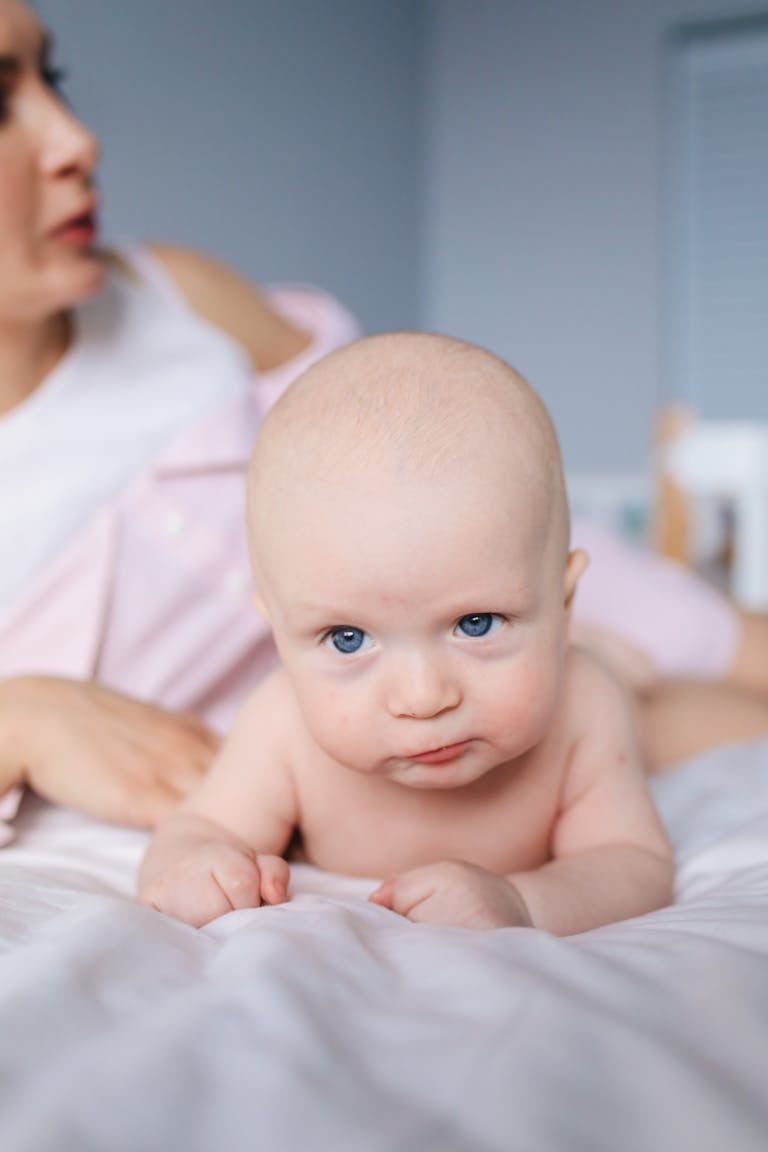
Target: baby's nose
x,y
421,688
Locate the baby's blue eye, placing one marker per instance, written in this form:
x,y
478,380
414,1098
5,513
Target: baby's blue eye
x,y
348,640
478,624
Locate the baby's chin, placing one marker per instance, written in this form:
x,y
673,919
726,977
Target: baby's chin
x,y
433,777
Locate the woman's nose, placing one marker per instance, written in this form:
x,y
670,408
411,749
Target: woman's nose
x,y
68,147
421,687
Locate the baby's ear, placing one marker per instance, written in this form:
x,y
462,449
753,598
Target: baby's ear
x,y
575,566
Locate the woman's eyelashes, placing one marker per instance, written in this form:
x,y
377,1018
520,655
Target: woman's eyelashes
x,y
53,78
51,75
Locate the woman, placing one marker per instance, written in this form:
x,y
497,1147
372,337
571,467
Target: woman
x,y
131,386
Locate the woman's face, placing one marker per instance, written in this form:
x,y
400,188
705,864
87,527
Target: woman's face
x,y
48,261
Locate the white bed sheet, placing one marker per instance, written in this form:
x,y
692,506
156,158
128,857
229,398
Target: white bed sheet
x,y
332,1024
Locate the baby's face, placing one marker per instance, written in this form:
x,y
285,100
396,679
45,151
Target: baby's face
x,y
422,625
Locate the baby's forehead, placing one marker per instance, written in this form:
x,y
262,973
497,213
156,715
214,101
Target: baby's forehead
x,y
389,444
413,419
413,394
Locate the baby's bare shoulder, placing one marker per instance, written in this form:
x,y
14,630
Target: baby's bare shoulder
x,y
272,722
595,700
270,714
273,691
586,673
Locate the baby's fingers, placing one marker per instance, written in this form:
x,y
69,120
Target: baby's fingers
x,y
196,906
403,893
239,879
384,894
275,875
204,886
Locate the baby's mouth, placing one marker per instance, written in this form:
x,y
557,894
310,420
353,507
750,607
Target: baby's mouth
x,y
441,755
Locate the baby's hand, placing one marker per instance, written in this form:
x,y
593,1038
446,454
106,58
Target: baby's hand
x,y
213,878
456,893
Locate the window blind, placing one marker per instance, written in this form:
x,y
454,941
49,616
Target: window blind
x,y
718,240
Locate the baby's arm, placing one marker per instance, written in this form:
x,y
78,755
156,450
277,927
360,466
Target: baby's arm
x,y
221,848
611,859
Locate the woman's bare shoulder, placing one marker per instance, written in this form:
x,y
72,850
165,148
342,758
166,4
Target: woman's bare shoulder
x,y
232,303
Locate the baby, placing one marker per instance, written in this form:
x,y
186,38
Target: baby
x,y
429,722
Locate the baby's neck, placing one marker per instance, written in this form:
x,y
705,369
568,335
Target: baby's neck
x,y
28,352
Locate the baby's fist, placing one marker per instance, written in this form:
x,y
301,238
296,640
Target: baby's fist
x,y
213,879
456,893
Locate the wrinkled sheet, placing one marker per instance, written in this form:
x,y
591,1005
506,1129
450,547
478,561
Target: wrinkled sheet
x,y
328,1023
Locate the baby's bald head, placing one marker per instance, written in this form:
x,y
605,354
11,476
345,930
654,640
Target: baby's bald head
x,y
409,410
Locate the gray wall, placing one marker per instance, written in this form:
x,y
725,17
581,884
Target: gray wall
x,y
544,204
285,136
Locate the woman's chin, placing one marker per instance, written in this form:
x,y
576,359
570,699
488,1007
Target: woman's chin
x,y
81,279
91,271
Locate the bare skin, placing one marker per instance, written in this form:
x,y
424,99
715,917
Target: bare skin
x,y
128,761
682,718
429,723
531,823
114,757
749,668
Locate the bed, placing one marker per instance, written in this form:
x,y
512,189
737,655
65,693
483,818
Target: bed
x,y
328,1023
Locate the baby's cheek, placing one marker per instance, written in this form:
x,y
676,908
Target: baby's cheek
x,y
525,702
332,721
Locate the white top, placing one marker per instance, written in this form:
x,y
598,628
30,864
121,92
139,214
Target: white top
x,y
141,369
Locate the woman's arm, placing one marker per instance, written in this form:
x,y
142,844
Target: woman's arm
x,y
84,746
234,305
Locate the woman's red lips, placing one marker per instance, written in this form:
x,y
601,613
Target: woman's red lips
x,y
78,230
441,755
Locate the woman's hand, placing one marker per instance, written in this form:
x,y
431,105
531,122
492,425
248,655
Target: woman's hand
x,y
81,745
